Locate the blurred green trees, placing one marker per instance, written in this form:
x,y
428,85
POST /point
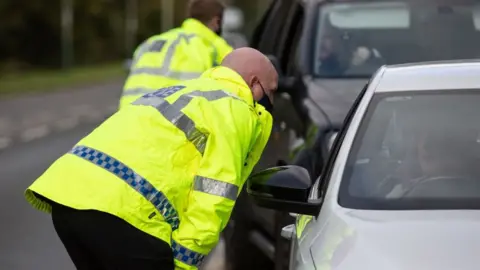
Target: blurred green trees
x,y
31,30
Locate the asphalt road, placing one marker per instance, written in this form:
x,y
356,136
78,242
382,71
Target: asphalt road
x,y
28,117
27,238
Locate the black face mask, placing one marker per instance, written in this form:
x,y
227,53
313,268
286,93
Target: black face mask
x,y
265,101
219,30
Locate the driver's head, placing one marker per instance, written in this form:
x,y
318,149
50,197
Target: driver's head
x,y
327,47
443,153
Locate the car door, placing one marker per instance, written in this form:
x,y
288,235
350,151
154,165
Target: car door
x,y
305,225
266,37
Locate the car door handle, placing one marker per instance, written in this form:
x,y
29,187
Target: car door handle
x,y
287,231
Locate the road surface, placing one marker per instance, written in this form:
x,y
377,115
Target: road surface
x,y
27,238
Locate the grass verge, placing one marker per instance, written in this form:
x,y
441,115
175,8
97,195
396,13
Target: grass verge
x,y
45,81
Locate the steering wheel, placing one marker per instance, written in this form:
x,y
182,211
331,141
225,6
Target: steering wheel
x,y
445,187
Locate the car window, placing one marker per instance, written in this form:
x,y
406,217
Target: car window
x,y
354,39
416,150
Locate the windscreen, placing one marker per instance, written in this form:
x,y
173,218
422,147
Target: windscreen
x,y
355,39
416,151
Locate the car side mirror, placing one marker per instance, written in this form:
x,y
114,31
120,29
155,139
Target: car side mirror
x,y
283,188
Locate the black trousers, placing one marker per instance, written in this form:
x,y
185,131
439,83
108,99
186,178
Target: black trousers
x,y
99,241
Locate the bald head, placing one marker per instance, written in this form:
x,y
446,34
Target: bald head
x,y
256,69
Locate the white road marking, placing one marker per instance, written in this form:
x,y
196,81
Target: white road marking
x,y
5,142
93,115
5,125
66,123
112,108
39,118
87,112
41,123
77,110
34,133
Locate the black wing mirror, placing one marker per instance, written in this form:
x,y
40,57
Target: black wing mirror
x,y
283,188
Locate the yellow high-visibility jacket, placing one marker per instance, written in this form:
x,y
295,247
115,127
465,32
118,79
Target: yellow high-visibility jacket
x,y
172,163
180,54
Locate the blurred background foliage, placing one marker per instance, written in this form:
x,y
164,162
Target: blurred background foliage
x,y
31,30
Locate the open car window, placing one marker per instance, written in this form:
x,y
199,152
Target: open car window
x,y
416,150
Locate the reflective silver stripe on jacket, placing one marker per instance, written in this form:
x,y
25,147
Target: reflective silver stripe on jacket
x,y
133,179
164,70
173,112
215,187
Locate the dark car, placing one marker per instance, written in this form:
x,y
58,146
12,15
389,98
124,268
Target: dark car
x,y
325,52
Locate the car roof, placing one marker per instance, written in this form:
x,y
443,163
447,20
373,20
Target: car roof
x,y
439,75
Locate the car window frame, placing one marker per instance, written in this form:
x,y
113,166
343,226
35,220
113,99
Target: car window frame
x,y
262,25
291,54
291,35
274,26
306,46
325,175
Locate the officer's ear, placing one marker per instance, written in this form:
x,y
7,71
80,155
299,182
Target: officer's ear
x,y
218,21
255,87
218,25
213,24
252,83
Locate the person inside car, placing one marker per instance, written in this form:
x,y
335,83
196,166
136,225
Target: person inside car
x,y
445,156
329,62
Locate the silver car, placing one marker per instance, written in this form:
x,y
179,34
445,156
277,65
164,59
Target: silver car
x,y
401,188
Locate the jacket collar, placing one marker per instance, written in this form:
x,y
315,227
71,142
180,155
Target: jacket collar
x,y
200,29
237,85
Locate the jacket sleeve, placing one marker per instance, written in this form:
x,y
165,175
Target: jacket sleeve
x,y
216,184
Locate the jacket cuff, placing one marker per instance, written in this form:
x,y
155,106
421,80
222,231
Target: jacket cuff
x,y
186,258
